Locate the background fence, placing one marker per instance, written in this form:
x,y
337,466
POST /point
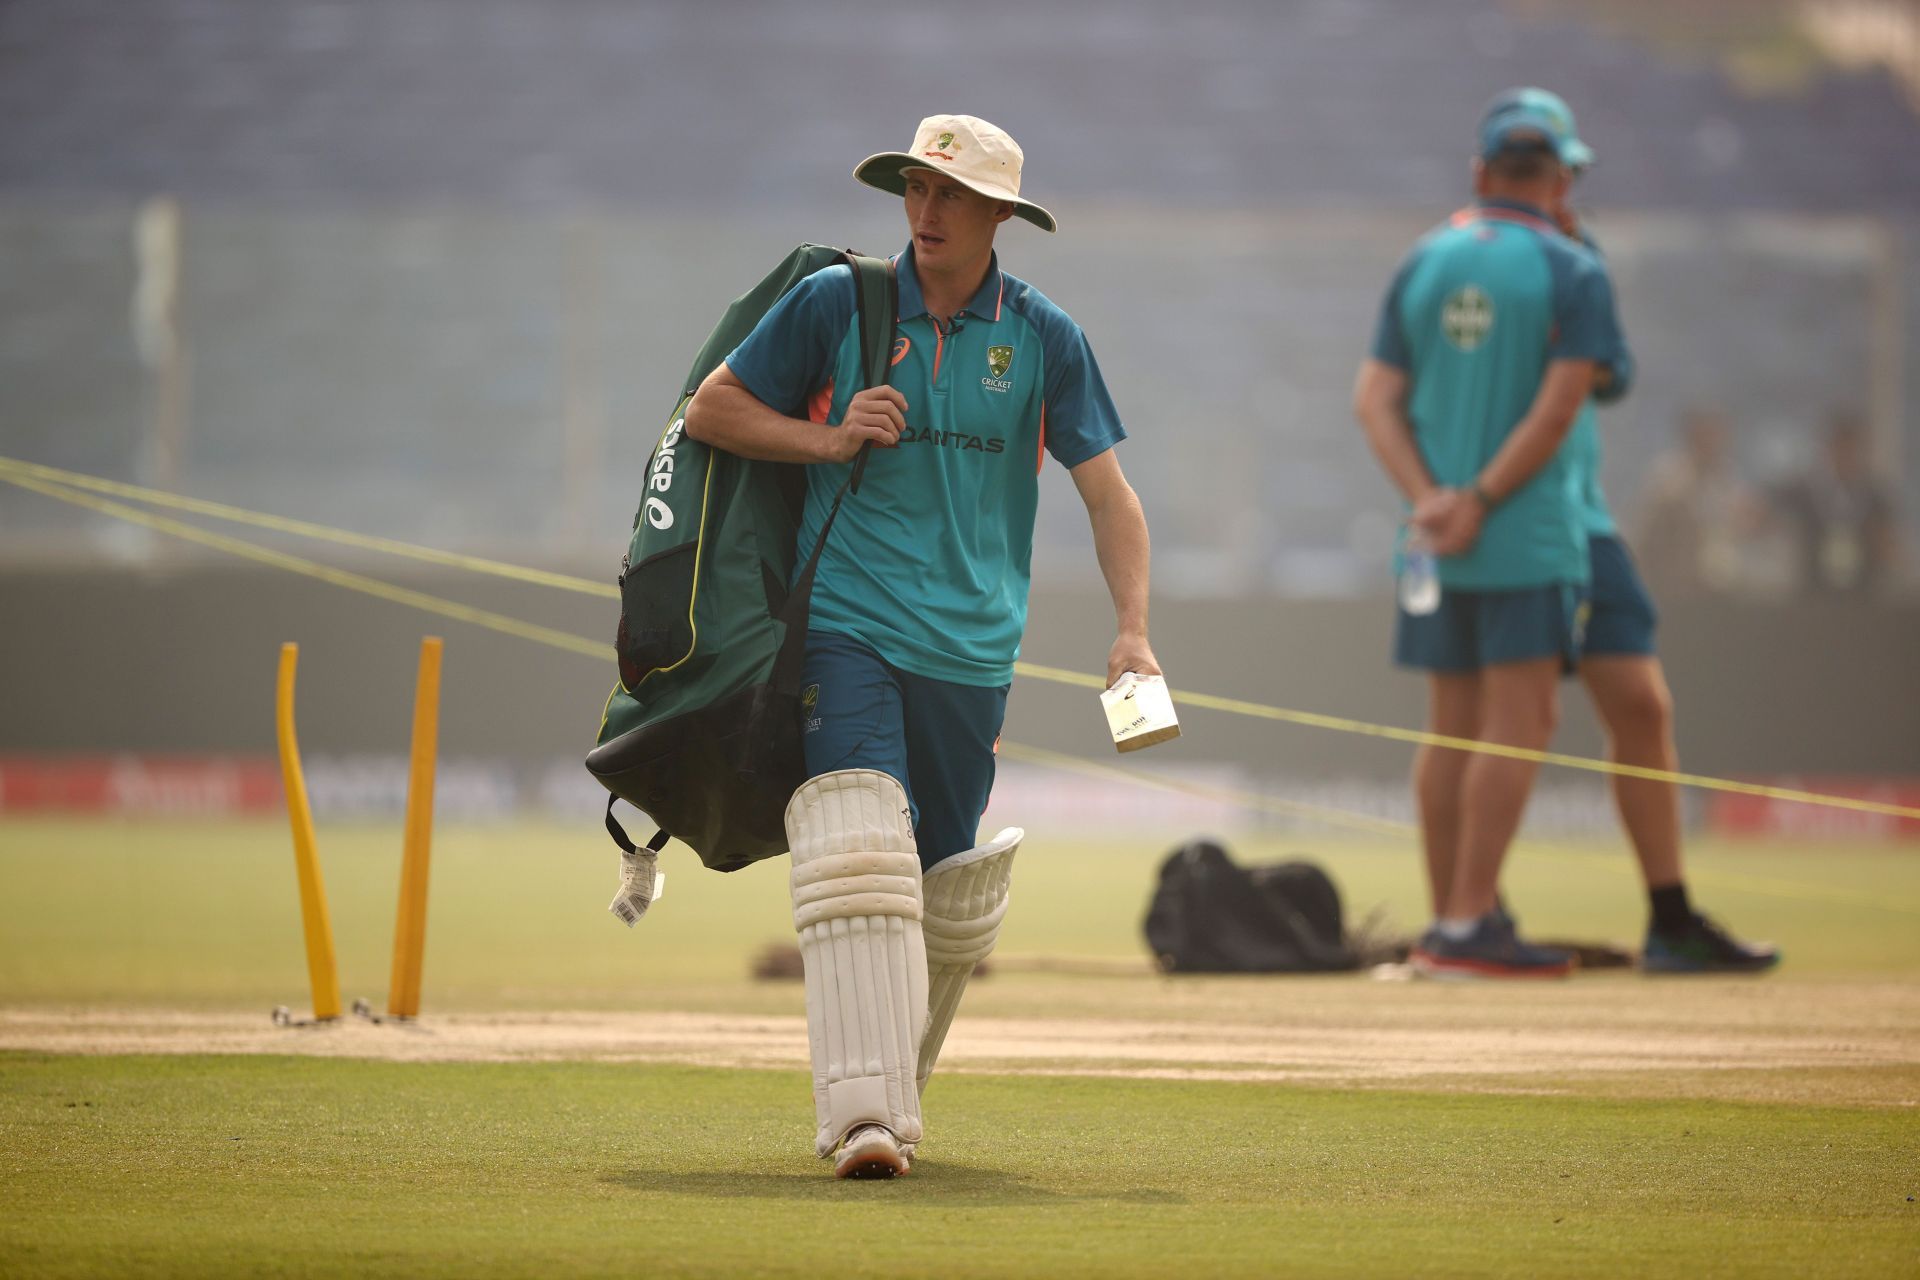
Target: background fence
x,y
433,269
496,380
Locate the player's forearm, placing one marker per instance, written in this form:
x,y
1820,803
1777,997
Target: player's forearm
x,y
1121,544
1379,407
1532,444
1390,436
730,417
1530,447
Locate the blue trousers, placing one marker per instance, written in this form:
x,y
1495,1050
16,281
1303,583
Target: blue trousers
x,y
934,737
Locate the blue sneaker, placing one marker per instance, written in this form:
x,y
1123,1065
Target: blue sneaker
x,y
1705,947
1492,950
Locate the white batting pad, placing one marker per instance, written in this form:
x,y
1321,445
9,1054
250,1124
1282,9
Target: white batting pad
x,y
857,906
966,898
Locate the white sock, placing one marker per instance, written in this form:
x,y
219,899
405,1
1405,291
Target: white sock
x,y
1456,930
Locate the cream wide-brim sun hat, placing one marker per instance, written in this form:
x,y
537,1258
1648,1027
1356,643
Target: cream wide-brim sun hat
x,y
975,154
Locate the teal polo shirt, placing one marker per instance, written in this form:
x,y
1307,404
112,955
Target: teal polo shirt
x,y
1583,475
930,562
1474,316
1583,443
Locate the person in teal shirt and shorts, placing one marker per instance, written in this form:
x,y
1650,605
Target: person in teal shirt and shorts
x,y
1491,338
918,606
1618,663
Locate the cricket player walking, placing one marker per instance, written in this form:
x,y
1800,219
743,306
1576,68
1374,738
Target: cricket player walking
x,y
918,607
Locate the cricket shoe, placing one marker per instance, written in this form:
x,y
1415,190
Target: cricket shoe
x,y
1492,950
1705,947
871,1151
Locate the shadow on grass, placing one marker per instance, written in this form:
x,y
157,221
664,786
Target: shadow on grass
x,y
949,1183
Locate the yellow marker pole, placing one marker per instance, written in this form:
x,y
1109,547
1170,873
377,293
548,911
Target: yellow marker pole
x,y
314,921
410,929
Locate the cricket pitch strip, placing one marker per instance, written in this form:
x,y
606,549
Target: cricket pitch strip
x,y
1848,1043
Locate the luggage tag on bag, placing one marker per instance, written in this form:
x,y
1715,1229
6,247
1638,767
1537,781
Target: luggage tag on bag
x,y
1139,712
641,884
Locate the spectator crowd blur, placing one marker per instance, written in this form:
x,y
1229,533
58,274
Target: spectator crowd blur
x,y
1829,528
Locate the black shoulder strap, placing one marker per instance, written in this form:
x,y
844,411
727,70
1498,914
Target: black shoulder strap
x,y
625,841
877,297
877,294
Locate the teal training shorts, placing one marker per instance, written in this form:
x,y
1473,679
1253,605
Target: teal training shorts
x,y
935,738
1623,616
1475,629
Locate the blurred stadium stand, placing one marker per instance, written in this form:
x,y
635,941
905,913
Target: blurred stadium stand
x,y
705,107
442,262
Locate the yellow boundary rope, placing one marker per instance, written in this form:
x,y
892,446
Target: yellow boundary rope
x,y
63,485
338,577
1420,737
15,470
1740,880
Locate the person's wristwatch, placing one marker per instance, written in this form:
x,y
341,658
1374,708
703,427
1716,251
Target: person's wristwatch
x,y
1481,496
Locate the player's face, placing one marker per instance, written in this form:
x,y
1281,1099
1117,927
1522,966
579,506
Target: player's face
x,y
952,225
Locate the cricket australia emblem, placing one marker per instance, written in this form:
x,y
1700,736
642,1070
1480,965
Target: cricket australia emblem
x,y
1467,317
999,360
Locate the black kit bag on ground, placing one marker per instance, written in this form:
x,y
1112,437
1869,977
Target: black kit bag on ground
x,y
703,731
1210,916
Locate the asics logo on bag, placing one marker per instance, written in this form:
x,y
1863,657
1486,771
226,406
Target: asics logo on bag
x,y
659,514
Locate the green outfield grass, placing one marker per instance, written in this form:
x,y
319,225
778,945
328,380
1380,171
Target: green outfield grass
x,y
275,1166
205,915
284,1165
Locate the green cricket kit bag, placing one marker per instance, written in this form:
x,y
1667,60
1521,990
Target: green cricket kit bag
x,y
703,731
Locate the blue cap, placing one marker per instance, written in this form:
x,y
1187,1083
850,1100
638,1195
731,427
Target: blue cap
x,y
1544,108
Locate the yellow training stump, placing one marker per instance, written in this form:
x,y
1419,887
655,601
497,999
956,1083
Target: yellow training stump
x,y
410,928
314,921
